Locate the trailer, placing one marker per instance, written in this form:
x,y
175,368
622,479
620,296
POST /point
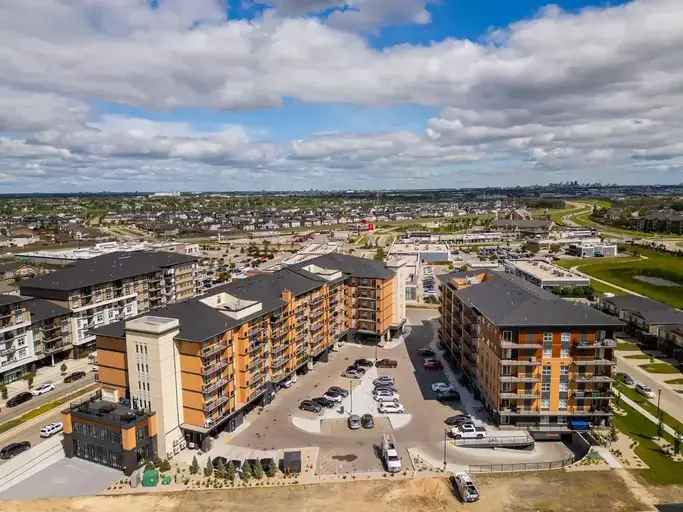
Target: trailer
x,y
390,455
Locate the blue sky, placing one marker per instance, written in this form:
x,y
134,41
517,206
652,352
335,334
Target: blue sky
x,y
337,94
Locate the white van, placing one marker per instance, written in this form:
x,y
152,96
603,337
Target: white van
x,y
51,429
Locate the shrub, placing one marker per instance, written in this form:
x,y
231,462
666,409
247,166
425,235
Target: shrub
x,y
165,465
63,368
230,472
3,391
220,469
208,470
271,470
246,472
258,471
194,468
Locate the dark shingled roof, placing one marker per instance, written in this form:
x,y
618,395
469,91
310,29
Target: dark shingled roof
x,y
199,322
6,300
44,309
106,268
651,311
509,301
352,265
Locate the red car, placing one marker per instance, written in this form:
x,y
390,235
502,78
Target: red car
x,y
433,364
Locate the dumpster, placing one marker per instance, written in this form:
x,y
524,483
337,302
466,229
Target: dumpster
x,y
291,462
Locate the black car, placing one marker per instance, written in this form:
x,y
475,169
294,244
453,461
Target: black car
x,y
367,421
72,377
427,352
355,368
324,402
364,362
387,363
268,464
385,387
338,391
460,419
19,399
14,449
448,396
310,406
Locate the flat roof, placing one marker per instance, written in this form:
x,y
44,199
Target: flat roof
x,y
545,271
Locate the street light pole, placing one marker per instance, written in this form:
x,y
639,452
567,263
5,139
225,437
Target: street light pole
x,y
659,413
351,395
445,446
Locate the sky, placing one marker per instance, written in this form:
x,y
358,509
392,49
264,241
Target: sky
x,y
172,95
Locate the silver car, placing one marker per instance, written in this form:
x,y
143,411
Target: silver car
x,y
354,422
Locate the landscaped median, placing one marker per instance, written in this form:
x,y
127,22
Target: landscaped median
x,y
42,409
647,405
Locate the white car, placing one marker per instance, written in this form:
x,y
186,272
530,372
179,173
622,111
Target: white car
x,y
333,398
385,392
468,431
287,383
384,379
386,398
645,390
51,429
442,387
391,407
43,388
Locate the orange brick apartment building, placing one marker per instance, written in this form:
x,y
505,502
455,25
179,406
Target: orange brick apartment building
x,y
533,359
200,365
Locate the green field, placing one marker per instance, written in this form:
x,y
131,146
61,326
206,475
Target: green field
x,y
659,368
674,382
638,356
627,346
622,271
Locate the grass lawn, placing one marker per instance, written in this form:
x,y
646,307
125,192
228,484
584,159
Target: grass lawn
x,y
663,471
627,346
674,381
659,368
647,405
622,272
637,356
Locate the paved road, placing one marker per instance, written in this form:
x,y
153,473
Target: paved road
x,y
672,402
61,389
30,434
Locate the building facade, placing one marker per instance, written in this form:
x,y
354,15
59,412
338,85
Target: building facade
x,y
17,351
107,288
534,360
201,365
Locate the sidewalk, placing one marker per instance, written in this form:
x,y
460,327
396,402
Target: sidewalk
x,y
649,416
48,374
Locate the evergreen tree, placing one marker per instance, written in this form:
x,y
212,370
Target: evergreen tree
x,y
208,470
246,472
230,472
220,468
258,471
194,468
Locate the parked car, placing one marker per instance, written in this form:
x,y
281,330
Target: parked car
x,y
626,379
448,396
352,374
384,379
426,351
325,402
287,383
334,397
311,406
367,421
387,363
458,419
364,362
354,422
385,387
19,399
46,387
432,364
468,431
73,377
14,449
51,429
339,390
386,398
385,392
464,484
391,408
645,390
441,387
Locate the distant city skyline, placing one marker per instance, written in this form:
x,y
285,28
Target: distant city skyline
x,y
277,95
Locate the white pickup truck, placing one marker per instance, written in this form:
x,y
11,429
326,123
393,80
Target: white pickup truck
x,y
390,456
467,431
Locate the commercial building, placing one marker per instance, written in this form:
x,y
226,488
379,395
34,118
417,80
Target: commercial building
x,y
109,433
591,250
202,364
104,289
534,360
544,274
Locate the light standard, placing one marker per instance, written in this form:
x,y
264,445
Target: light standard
x,y
659,413
351,395
445,446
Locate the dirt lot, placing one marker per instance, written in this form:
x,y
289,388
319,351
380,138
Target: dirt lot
x,y
578,491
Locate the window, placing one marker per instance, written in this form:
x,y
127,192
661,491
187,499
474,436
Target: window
x,y
545,387
564,371
565,339
563,404
547,344
545,403
21,341
507,335
546,372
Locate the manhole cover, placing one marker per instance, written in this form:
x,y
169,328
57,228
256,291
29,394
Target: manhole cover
x,y
345,458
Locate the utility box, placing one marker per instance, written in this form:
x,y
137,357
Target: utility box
x,y
291,462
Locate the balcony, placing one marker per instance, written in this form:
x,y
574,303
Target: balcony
x,y
213,405
213,349
587,377
213,386
514,346
214,367
594,362
519,362
531,395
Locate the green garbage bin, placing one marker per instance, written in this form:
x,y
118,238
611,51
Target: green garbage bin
x,y
150,478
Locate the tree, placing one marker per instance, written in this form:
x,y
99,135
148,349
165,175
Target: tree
x,y
63,368
271,470
379,255
194,468
230,472
258,470
28,377
220,468
246,472
208,470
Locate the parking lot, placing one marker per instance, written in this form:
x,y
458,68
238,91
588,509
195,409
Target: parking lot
x,y
282,425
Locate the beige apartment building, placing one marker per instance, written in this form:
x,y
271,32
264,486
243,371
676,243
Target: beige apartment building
x,y
201,365
108,288
533,359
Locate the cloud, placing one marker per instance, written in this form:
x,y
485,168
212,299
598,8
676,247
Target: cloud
x,y
591,93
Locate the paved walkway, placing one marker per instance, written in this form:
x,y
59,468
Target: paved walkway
x,y
607,456
49,374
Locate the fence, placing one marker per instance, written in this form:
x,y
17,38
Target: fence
x,y
488,442
525,466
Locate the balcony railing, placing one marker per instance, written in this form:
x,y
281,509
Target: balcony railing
x,y
213,386
520,362
519,396
586,377
214,367
527,345
594,362
210,406
213,349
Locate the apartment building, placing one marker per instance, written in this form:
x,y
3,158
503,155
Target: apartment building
x,y
104,289
51,329
201,365
17,351
534,360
